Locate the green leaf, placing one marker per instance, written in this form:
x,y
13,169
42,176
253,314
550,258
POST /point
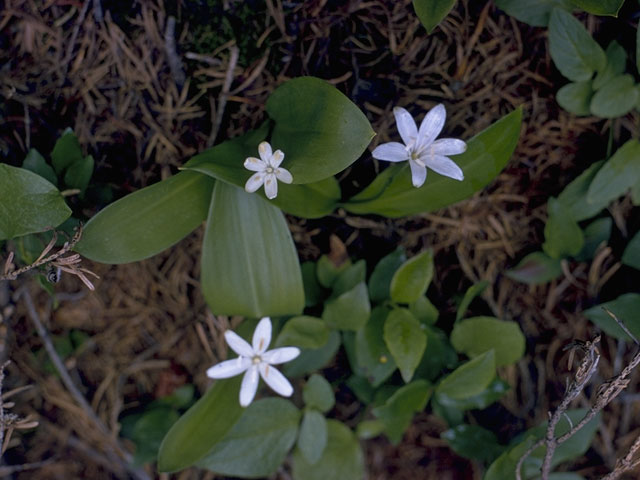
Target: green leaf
x,y
28,203
616,63
392,194
432,12
373,359
534,12
563,236
631,255
258,443
626,308
405,339
380,280
303,332
574,195
320,131
496,389
149,430
349,277
148,221
572,49
635,194
473,442
37,164
342,458
616,98
638,49
472,292
412,279
477,335
312,288
249,262
600,7
350,311
576,97
535,269
204,425
327,272
617,175
314,359
66,151
596,233
424,311
317,393
471,378
438,356
313,436
79,173
368,429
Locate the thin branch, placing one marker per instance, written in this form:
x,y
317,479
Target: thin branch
x,y
224,95
626,463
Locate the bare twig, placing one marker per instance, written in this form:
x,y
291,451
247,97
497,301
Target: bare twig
x,y
7,470
175,64
625,463
224,95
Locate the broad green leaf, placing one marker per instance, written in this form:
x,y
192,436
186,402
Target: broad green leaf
x,y
317,393
472,292
380,280
469,379
349,311
616,63
600,7
432,12
79,173
320,131
368,429
534,12
424,311
327,272
535,269
313,359
631,255
405,340
616,98
572,49
349,278
303,332
312,439
258,443
412,279
312,289
596,233
391,194
204,425
249,263
342,458
28,203
563,237
37,164
373,359
473,442
477,335
147,221
496,389
574,195
626,308
398,410
66,151
438,356
575,97
617,175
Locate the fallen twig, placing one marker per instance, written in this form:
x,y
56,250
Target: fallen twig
x,y
224,95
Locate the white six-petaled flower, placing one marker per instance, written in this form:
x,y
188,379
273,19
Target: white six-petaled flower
x,y
256,361
268,171
421,148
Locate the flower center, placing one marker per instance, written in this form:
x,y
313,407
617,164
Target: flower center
x,y
270,169
256,359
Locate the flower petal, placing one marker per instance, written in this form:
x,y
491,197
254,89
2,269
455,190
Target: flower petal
x,y
280,355
431,126
270,186
262,336
391,152
229,368
406,126
249,386
418,173
284,175
238,344
254,164
255,182
276,158
264,149
448,146
444,166
275,380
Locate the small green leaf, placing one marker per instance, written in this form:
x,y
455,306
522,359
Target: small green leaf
x,y
424,311
327,272
432,12
535,269
66,151
412,279
574,195
496,389
368,429
312,439
373,359
631,255
596,233
477,335
572,49
626,308
317,393
617,175
312,288
79,173
303,332
405,339
37,164
438,356
28,203
616,63
472,292
314,359
600,7
616,98
576,97
349,278
473,442
380,281
350,311
147,221
249,263
534,12
342,458
470,378
563,236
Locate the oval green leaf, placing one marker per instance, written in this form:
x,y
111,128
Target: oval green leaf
x,y
350,311
562,235
373,359
535,269
317,393
79,173
534,12
477,335
405,340
600,7
411,280
380,280
313,436
626,308
303,332
617,175
37,164
576,97
616,98
470,378
432,12
631,255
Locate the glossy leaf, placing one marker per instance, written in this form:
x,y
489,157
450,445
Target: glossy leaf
x,y
320,131
37,164
405,340
424,311
373,359
472,292
535,269
28,203
616,98
572,49
380,281
477,335
432,12
258,443
574,195
616,63
534,12
617,175
392,194
66,152
313,359
471,378
600,7
249,263
317,393
631,255
303,332
412,279
79,173
473,442
313,436
147,221
563,236
575,97
349,311
626,308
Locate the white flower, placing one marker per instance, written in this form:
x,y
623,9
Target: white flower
x,y
254,359
421,147
267,169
